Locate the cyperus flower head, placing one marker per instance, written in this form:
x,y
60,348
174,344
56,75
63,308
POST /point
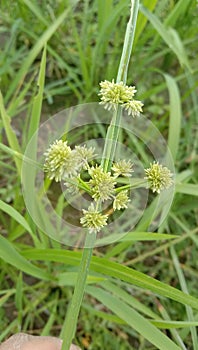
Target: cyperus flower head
x,y
159,177
113,94
93,219
102,184
59,161
83,156
133,107
121,200
123,167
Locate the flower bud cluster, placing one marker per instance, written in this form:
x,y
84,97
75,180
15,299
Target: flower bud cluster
x,y
159,177
76,168
113,94
62,163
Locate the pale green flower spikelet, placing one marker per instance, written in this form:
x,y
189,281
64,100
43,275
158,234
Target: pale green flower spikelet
x,y
59,161
121,200
113,94
93,219
123,167
133,107
102,183
84,155
159,177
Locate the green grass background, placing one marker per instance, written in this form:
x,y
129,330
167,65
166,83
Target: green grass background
x,y
37,275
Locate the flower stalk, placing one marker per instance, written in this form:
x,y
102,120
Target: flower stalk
x,y
69,326
113,129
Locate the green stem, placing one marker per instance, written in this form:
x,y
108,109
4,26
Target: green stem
x,y
69,326
114,127
137,184
128,43
11,136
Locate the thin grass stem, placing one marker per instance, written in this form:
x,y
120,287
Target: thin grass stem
x,y
114,127
69,326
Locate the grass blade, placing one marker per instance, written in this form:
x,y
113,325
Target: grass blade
x,y
175,115
36,11
173,331
37,104
104,11
169,35
34,52
129,299
185,290
9,254
178,10
142,20
113,269
174,324
8,209
134,319
12,139
190,189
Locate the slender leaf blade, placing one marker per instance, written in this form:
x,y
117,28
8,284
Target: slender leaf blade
x,y
134,319
175,115
10,255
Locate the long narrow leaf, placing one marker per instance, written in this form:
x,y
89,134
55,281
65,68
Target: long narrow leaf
x,y
9,254
15,215
175,115
178,10
128,298
183,284
169,35
37,104
11,136
34,52
113,269
191,189
142,20
134,319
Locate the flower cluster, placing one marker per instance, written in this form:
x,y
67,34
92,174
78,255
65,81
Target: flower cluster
x,y
93,219
78,171
61,162
121,200
123,168
159,177
101,183
113,94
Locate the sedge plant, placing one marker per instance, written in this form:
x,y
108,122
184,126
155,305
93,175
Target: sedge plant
x,y
74,166
15,253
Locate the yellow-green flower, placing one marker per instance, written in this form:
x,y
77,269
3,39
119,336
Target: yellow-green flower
x,y
59,162
133,107
101,183
114,94
83,156
159,177
123,167
121,200
93,219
